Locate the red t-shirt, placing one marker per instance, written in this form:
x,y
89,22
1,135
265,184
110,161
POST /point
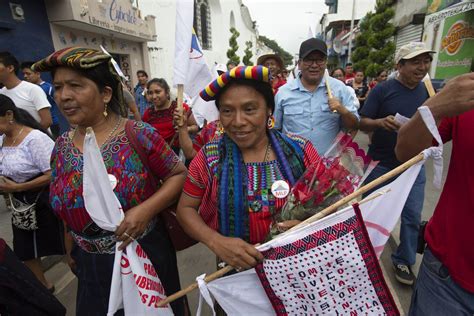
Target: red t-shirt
x,y
277,83
449,232
348,77
162,121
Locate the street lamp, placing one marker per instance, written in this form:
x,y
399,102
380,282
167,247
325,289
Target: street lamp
x,y
349,53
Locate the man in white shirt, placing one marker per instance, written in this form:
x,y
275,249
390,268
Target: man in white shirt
x,y
25,95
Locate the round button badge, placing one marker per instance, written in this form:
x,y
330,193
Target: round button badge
x,y
280,189
113,181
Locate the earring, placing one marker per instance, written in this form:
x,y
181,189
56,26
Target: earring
x,y
271,122
105,110
220,128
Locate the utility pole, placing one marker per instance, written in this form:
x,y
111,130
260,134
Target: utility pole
x,y
351,31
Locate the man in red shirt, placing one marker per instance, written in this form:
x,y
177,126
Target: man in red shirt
x,y
349,73
445,284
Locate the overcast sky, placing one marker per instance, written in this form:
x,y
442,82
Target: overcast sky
x,y
286,21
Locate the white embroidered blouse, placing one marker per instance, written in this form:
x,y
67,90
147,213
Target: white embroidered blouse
x,y
28,159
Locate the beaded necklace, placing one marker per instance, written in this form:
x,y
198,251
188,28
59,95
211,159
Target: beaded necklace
x,y
112,132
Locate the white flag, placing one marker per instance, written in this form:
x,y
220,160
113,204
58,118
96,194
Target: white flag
x,y
183,36
135,285
190,67
199,75
204,110
310,33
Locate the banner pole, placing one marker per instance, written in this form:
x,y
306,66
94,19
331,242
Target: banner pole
x,y
329,210
180,96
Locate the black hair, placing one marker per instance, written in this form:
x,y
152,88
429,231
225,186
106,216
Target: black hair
x,y
8,59
143,72
27,64
21,116
103,77
348,64
161,82
380,72
264,88
338,68
358,70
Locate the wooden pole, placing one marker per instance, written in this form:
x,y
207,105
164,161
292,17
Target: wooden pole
x,y
328,88
180,96
329,210
429,86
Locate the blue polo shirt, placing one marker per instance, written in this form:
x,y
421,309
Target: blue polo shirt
x,y
140,99
307,114
49,90
389,98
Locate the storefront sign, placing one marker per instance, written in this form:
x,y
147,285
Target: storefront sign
x,y
119,16
451,11
438,5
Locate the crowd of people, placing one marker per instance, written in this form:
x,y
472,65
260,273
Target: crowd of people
x,y
219,177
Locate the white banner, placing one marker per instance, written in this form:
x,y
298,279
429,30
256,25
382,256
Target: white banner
x,y
135,285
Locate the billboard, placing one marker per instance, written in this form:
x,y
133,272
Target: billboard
x,y
450,32
455,55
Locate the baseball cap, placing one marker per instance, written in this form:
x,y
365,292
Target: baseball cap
x,y
411,50
311,45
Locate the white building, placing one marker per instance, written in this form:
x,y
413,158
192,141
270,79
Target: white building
x,y
117,25
341,10
212,22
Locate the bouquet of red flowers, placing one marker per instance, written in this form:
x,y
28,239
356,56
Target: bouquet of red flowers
x,y
339,173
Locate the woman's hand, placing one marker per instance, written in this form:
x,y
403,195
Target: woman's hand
x,y
132,226
236,252
9,186
179,118
69,245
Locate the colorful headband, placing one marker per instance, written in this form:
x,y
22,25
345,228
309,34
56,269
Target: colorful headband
x,y
81,58
73,57
259,73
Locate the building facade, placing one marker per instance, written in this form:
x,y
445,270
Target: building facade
x,y
212,22
116,25
335,27
24,30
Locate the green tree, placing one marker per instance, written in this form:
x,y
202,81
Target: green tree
x,y
247,60
360,54
234,47
374,47
287,57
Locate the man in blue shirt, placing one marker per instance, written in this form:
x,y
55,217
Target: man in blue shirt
x,y
402,95
140,90
59,124
302,106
